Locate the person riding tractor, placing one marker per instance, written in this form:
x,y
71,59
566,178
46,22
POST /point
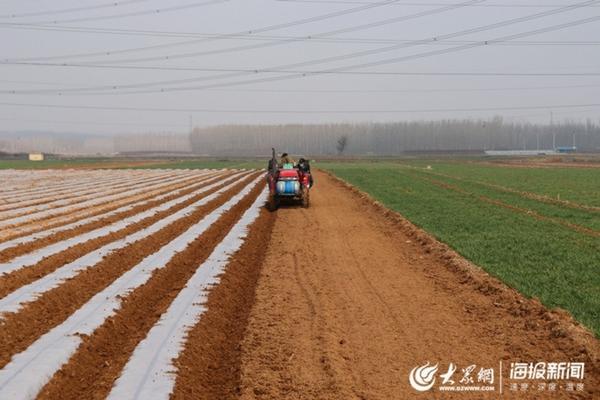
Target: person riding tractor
x,y
288,181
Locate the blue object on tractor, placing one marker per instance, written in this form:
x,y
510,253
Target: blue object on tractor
x,y
288,188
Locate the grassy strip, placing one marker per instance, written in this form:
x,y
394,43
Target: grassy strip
x,y
537,257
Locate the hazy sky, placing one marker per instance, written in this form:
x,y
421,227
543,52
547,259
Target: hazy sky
x,y
52,32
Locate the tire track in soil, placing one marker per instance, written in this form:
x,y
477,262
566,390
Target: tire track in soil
x,y
20,249
54,222
92,370
11,281
397,300
19,330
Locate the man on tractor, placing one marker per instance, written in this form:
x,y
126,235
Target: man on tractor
x,y
288,181
285,159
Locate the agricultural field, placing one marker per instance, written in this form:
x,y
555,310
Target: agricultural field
x,y
537,229
173,281
90,261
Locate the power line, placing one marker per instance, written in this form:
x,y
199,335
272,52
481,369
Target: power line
x,y
393,91
312,72
96,123
293,74
273,42
349,69
423,3
296,111
155,11
71,10
344,69
318,38
378,91
253,31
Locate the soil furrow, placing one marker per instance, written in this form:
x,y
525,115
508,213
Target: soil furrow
x,y
12,281
209,366
46,185
25,248
90,373
72,217
19,330
106,197
81,190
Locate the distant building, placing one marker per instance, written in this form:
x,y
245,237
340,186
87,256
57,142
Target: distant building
x,y
566,149
36,156
519,152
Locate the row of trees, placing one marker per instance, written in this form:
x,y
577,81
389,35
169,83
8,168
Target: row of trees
x,y
396,138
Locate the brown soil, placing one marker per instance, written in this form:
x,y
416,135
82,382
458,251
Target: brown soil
x,y
91,372
77,207
64,219
338,301
11,281
12,252
367,296
209,367
19,330
43,199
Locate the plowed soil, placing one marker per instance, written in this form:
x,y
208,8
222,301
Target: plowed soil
x,y
352,297
337,301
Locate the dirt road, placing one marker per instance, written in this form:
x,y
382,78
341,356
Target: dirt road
x,y
350,300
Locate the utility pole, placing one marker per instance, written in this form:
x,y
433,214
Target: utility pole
x,y
191,124
553,130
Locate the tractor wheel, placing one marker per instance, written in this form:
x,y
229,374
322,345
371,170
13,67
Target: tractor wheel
x,y
305,198
273,202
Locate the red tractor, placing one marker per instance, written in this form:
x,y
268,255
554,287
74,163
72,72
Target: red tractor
x,y
289,182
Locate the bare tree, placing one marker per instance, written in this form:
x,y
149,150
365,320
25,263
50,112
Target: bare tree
x,y
342,142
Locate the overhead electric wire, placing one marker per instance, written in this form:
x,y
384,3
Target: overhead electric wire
x,y
345,69
252,31
318,39
313,72
349,69
312,38
273,42
112,4
296,111
425,3
393,91
46,121
132,13
377,91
